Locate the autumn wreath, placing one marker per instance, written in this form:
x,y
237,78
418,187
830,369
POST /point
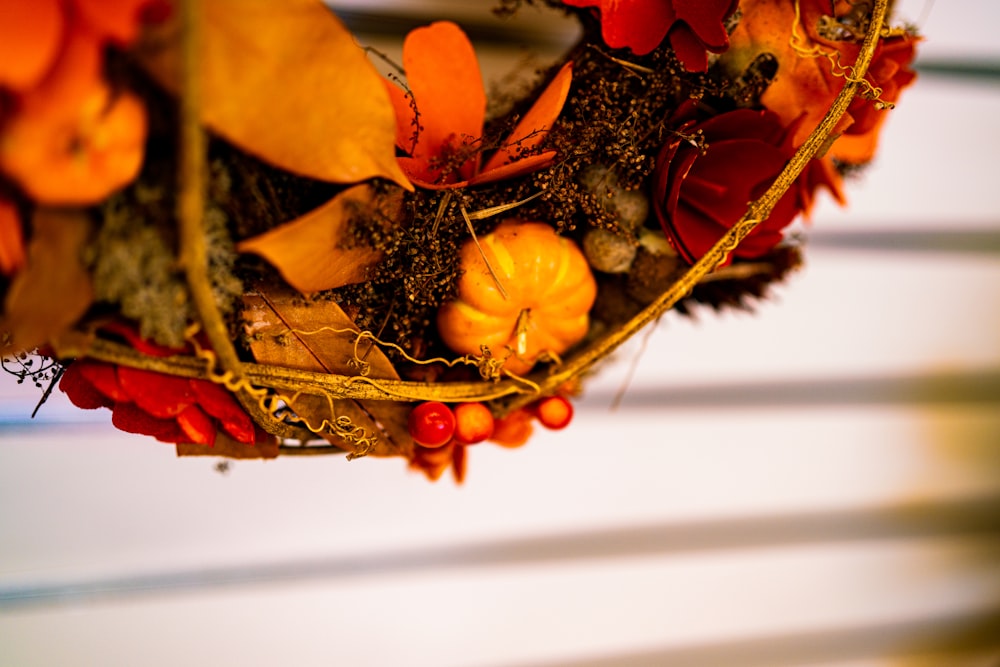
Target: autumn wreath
x,y
218,220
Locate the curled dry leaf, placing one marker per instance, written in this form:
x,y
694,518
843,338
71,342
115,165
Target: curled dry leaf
x,y
316,252
53,290
287,82
285,330
225,446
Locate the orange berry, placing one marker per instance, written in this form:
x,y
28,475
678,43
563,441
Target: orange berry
x,y
554,412
513,430
473,423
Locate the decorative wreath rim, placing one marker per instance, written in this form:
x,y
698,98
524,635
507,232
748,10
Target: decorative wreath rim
x,y
226,368
268,392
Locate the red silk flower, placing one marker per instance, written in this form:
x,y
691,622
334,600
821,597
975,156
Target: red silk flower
x,y
700,194
693,26
443,76
167,407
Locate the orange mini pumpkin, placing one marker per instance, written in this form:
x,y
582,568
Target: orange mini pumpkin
x,y
536,299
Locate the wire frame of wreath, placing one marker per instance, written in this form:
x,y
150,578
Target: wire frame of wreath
x,y
261,389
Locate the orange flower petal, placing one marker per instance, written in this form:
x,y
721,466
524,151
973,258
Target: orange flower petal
x,y
31,32
513,169
535,125
73,76
70,142
11,239
117,20
443,74
411,167
806,83
406,119
81,159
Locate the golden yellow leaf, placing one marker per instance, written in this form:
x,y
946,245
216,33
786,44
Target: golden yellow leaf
x,y
54,289
288,331
316,252
287,82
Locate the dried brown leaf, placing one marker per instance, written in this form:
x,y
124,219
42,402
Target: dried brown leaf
x,y
285,330
287,82
227,447
316,251
54,289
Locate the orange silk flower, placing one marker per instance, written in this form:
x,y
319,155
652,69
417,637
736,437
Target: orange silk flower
x,y
811,68
441,128
69,139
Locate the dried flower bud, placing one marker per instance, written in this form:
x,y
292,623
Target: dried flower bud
x,y
629,207
607,251
654,268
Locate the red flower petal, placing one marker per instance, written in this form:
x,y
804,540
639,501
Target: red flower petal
x,y
80,391
158,394
641,25
132,419
219,403
197,427
705,19
143,345
688,49
103,378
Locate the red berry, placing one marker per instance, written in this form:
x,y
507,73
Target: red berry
x,y
554,412
473,423
432,424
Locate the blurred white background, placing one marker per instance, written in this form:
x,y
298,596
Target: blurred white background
x,y
817,483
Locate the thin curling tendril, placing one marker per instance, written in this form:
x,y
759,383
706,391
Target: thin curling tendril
x,y
806,48
490,368
270,403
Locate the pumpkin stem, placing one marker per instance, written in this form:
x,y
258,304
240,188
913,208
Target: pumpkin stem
x,y
521,331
